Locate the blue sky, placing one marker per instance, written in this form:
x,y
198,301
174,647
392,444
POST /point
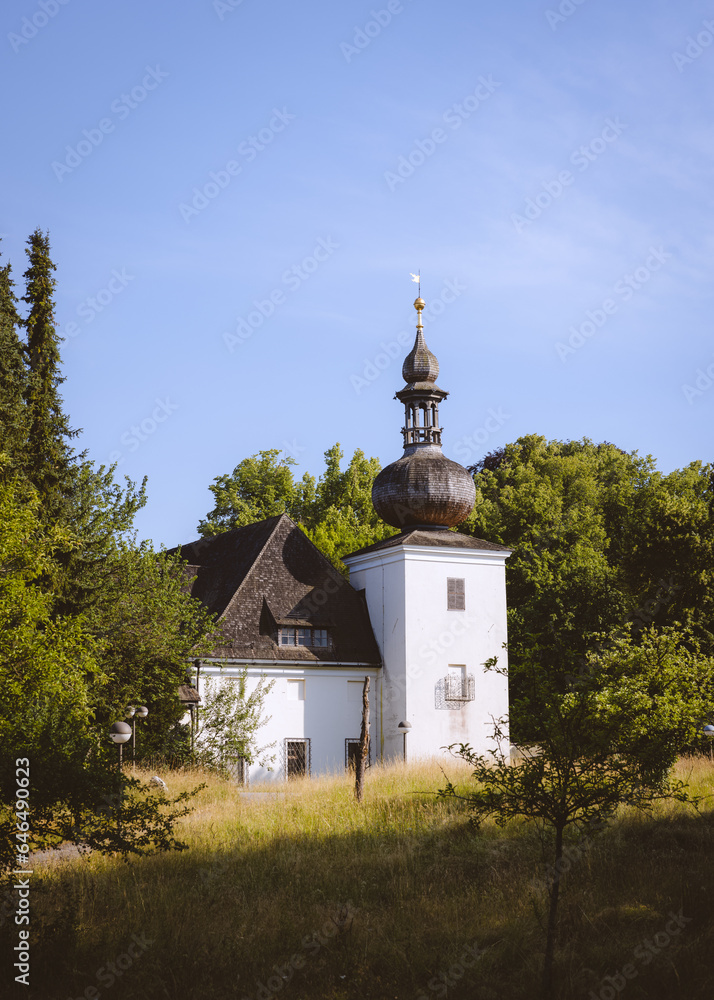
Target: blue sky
x,y
236,193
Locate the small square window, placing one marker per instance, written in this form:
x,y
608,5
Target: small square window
x,y
319,637
456,594
287,636
303,637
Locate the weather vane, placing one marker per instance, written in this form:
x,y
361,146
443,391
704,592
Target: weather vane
x,y
417,278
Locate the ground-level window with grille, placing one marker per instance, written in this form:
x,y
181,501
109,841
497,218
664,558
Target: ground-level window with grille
x,y
352,754
296,758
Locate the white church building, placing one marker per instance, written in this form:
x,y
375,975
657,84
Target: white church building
x,y
421,615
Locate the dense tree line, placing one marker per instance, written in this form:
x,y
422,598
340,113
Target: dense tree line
x,y
335,511
89,620
604,547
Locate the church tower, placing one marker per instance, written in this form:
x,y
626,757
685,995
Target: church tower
x,y
436,598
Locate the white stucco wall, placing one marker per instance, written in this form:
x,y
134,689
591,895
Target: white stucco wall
x,y
330,712
406,592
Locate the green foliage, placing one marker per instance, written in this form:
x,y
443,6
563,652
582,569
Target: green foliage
x,y
229,723
48,453
612,739
336,512
149,626
260,486
51,675
87,619
603,545
13,374
43,661
99,513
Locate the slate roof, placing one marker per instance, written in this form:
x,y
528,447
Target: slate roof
x,y
268,573
440,538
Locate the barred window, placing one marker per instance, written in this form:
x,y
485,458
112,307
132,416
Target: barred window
x,y
352,754
456,594
296,758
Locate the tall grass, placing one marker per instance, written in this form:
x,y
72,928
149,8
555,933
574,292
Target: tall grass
x,y
375,901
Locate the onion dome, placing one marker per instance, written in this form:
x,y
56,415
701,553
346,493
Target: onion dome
x,y
420,365
422,488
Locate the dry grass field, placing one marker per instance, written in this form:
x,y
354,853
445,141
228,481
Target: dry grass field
x,y
304,894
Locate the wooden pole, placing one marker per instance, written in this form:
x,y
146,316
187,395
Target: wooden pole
x,y
363,752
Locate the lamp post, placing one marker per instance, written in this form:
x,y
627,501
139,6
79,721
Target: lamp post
x,y
404,728
120,733
133,713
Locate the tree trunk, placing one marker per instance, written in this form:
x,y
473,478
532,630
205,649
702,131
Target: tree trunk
x,y
553,892
363,753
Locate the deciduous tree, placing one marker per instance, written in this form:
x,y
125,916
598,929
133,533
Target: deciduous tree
x,y
610,740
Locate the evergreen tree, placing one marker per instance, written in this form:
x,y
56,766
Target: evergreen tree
x,y
13,375
48,454
85,500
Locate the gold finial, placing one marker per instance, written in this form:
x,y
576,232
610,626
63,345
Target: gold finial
x,y
419,304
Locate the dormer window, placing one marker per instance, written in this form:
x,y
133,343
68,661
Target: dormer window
x,y
303,637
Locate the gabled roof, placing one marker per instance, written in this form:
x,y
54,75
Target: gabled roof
x,y
268,573
430,537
